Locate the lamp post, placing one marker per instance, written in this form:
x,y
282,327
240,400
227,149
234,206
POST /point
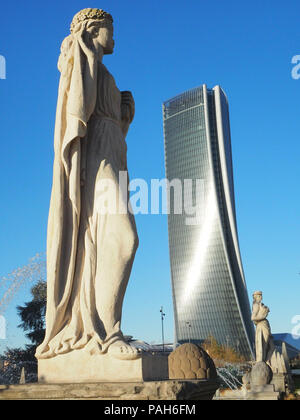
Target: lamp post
x,y
162,327
189,330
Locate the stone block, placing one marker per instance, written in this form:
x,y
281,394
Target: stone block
x,y
79,366
153,390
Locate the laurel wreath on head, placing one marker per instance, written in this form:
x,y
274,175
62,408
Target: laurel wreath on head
x,y
85,14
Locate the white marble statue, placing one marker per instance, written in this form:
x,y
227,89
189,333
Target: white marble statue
x,y
263,338
264,344
89,254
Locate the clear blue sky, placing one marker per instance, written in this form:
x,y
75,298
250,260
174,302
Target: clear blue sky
x,y
163,48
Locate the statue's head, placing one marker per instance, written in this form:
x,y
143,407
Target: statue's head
x,y
98,26
257,296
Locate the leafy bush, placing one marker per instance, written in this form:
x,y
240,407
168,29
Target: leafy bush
x,y
221,354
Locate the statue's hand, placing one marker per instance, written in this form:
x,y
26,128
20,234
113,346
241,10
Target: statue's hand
x,y
265,311
127,106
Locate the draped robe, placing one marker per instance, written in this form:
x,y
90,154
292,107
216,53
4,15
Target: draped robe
x,y
89,255
264,345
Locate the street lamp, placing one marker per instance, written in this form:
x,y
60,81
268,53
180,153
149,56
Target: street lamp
x,y
189,329
162,327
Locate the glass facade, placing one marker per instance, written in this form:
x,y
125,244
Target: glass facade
x,y
209,289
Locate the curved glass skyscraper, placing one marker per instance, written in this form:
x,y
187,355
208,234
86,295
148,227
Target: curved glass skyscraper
x,y
209,290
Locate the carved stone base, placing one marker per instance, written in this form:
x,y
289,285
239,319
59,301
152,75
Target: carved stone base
x,y
160,390
79,366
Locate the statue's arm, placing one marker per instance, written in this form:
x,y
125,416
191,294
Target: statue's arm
x,y
259,312
255,311
127,110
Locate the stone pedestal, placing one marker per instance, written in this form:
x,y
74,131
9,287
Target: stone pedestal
x,y
257,392
79,366
155,391
264,392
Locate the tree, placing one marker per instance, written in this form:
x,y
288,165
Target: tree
x,y
32,315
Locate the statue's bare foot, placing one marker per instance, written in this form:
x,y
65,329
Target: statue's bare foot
x,y
122,350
